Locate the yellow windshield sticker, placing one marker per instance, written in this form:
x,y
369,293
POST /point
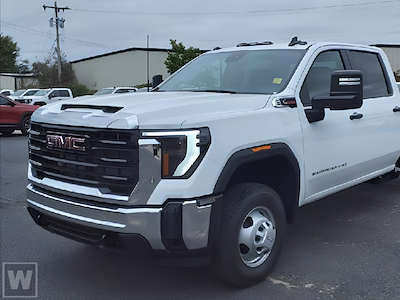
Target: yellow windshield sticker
x,y
277,80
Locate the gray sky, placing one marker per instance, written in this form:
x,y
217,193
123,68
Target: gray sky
x,y
102,26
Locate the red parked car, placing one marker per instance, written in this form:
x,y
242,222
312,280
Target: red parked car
x,y
14,115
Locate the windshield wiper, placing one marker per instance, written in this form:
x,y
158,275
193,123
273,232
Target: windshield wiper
x,y
216,91
155,89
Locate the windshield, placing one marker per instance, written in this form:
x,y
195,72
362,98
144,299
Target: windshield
x,y
103,92
254,71
18,93
42,93
30,93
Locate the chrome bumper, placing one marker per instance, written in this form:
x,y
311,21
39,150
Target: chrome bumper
x,y
143,221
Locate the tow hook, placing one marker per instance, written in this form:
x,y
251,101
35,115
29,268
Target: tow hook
x,y
111,242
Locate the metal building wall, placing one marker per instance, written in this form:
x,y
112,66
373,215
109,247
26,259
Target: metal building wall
x,y
124,68
393,54
7,82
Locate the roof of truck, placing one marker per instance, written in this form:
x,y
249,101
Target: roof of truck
x,y
297,44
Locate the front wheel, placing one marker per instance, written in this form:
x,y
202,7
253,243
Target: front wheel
x,y
251,234
25,125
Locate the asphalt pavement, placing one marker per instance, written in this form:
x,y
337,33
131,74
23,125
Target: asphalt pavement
x,y
346,246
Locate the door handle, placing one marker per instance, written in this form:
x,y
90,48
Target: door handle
x,y
396,109
356,116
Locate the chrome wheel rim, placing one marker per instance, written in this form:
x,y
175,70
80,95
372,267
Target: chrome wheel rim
x,y
257,236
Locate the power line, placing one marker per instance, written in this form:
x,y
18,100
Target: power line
x,y
50,53
24,29
45,34
350,5
24,17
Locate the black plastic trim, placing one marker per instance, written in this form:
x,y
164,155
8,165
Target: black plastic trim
x,y
106,109
290,197
247,155
171,227
121,243
215,221
345,59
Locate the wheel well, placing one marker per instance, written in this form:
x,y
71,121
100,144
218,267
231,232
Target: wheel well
x,y
276,172
24,115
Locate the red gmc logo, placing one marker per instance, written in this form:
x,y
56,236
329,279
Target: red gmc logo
x,y
65,142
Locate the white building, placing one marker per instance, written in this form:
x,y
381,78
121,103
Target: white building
x,y
393,54
15,81
121,68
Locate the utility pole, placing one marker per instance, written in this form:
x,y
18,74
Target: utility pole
x,y
148,74
58,23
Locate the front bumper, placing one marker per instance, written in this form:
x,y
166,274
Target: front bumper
x,y
178,226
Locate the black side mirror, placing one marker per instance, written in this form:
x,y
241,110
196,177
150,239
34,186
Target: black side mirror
x,y
157,79
346,93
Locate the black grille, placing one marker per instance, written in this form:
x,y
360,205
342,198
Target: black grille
x,y
110,161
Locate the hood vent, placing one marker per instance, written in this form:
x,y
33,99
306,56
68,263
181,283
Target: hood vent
x,y
106,109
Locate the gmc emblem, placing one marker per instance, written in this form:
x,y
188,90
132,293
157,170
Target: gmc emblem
x,y
66,142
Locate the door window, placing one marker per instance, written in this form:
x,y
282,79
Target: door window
x,y
120,91
374,79
318,79
64,93
4,101
54,94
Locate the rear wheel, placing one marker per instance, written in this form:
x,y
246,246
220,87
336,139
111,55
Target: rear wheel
x,y
251,234
25,125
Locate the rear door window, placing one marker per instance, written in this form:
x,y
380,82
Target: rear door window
x,y
374,78
64,93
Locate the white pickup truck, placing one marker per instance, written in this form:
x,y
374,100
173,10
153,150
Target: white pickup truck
x,y
211,165
46,96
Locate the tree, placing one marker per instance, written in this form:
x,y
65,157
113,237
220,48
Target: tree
x,y
80,89
22,67
9,51
47,75
179,56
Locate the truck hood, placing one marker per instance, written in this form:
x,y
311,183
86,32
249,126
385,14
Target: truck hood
x,y
33,97
147,110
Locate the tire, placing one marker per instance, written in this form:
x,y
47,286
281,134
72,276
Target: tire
x,y
25,125
252,230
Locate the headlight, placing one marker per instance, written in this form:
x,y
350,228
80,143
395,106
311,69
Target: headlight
x,y
181,150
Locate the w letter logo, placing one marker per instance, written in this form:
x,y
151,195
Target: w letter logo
x,y
20,280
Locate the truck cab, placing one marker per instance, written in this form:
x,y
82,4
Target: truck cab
x,y
46,96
